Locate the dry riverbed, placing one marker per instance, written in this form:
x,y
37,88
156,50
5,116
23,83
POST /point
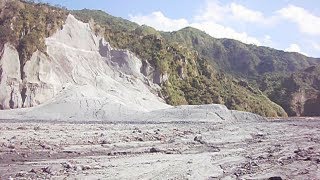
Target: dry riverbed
x,y
190,150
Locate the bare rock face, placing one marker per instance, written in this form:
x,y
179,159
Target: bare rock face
x,y
80,68
152,74
10,78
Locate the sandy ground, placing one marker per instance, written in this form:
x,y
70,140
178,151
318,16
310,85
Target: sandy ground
x,y
169,150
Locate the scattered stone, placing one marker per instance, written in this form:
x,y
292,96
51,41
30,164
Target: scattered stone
x,y
14,137
104,142
77,168
21,174
307,159
214,148
154,150
86,167
24,155
47,170
275,178
22,128
12,150
36,128
33,171
170,152
140,139
96,167
45,146
137,129
67,165
260,134
199,139
69,151
297,151
11,146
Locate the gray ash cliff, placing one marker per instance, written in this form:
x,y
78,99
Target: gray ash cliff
x,y
73,56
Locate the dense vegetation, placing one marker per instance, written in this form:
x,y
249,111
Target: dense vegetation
x,y
298,93
280,75
236,58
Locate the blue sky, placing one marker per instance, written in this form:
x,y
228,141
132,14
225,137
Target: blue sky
x,y
291,25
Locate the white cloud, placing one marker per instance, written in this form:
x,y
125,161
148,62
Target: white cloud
x,y
244,14
307,22
316,46
214,11
220,31
267,40
295,48
160,22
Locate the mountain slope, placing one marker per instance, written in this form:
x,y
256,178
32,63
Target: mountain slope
x,y
243,60
298,93
81,77
268,69
184,76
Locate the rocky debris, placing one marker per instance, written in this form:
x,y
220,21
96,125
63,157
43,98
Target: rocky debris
x,y
275,178
22,128
21,174
11,146
47,170
74,167
104,142
136,130
33,170
228,149
67,165
304,154
140,139
199,139
212,148
37,128
77,168
85,167
45,146
250,166
154,150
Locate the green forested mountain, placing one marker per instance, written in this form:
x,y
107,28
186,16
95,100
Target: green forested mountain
x,y
282,76
236,58
191,66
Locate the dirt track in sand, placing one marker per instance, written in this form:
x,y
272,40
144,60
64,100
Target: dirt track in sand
x,y
190,150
